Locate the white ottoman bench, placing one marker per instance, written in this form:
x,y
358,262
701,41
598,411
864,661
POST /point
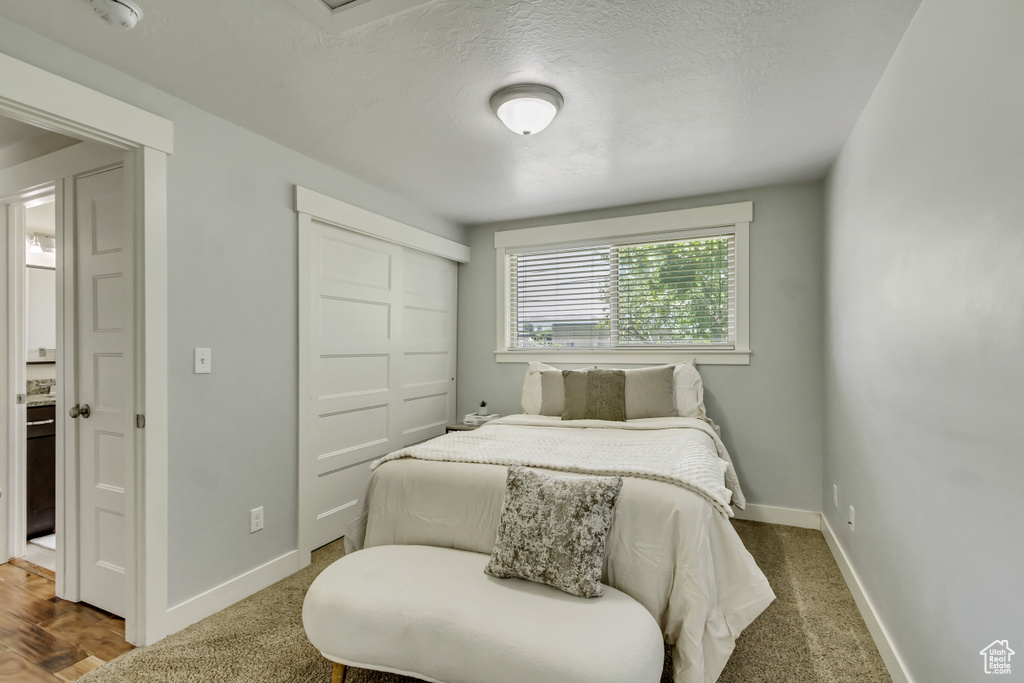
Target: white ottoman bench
x,y
433,614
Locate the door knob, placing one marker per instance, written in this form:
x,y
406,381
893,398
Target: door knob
x,y
82,410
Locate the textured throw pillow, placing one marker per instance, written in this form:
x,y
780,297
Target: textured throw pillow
x,y
594,395
553,530
649,392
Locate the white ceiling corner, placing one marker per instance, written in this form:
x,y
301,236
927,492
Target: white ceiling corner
x,y
663,98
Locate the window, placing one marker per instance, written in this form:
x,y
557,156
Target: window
x,y
631,294
652,294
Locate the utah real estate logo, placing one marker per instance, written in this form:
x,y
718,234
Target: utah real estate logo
x,y
997,657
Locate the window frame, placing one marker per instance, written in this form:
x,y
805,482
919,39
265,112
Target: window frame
x,y
723,219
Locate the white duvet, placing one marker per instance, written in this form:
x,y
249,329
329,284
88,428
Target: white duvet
x,y
673,456
671,546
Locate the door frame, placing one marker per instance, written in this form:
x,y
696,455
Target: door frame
x,y
37,97
17,446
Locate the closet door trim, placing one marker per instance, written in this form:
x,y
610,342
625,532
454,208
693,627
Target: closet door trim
x,y
336,212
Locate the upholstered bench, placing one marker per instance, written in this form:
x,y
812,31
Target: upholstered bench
x,y
433,614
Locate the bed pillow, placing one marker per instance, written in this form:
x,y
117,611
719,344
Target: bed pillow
x,y
688,392
650,392
532,389
552,400
594,395
553,530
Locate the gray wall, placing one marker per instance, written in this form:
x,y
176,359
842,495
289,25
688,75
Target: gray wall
x,y
925,340
232,270
770,411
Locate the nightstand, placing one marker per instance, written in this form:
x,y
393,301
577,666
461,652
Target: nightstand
x,y
460,427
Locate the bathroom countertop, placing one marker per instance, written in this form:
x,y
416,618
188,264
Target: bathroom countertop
x,y
39,392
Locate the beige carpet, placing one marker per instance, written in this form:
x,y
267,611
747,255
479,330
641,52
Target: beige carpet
x,y
812,633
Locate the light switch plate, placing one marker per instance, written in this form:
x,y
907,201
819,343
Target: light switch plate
x,y
203,359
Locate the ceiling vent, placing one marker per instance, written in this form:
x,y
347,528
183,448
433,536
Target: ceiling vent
x,y
342,15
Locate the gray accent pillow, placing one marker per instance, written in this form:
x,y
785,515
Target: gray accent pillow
x,y
594,395
649,392
553,530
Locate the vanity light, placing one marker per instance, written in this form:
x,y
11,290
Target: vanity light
x,y
40,244
526,109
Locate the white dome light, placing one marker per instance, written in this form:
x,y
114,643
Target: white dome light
x,y
124,13
526,109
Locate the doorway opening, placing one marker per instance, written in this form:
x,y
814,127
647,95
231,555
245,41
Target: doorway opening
x,y
71,327
43,502
38,459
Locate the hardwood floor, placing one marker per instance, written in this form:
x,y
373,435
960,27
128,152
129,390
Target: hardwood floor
x,y
44,638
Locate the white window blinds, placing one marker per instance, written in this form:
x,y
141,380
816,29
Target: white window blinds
x,y
679,293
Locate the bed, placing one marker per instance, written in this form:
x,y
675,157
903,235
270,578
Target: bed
x,y
671,546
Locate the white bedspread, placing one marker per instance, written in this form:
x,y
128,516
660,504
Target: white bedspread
x,y
659,454
669,548
685,428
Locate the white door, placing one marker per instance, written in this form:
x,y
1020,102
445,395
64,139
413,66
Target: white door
x,y
428,349
103,360
356,337
377,328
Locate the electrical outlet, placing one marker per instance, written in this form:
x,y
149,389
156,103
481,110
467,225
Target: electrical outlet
x,y
835,496
255,519
849,519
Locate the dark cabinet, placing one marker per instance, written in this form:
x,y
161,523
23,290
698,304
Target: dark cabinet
x,y
41,470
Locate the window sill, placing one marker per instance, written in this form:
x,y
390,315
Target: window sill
x,y
604,356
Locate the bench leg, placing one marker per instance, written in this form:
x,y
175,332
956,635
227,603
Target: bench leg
x,y
338,676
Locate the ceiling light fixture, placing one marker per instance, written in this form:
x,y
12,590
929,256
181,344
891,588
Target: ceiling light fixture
x,y
124,13
526,109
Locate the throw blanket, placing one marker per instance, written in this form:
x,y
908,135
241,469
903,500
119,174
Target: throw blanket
x,y
684,463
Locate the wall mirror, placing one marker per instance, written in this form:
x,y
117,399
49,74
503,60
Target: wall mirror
x,y
41,314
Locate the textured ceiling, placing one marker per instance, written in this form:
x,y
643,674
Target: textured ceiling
x,y
663,98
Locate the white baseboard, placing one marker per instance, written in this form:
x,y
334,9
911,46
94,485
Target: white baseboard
x,y
805,519
890,657
228,593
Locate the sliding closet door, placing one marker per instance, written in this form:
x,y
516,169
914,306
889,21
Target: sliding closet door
x,y
356,343
428,363
376,364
